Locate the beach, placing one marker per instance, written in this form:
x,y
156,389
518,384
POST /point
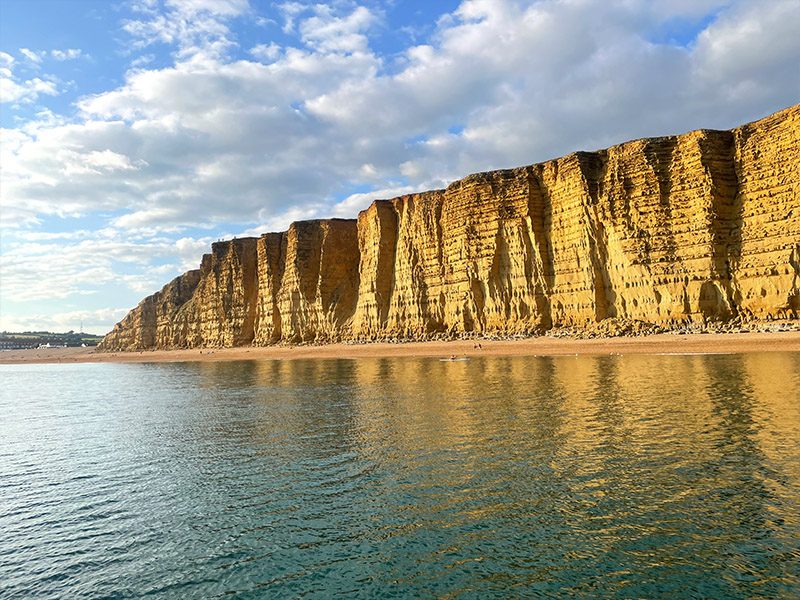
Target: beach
x,y
711,343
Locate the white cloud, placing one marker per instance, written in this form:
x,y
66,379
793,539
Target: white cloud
x,y
501,83
35,56
355,203
107,160
197,27
152,279
290,11
189,250
751,44
225,8
327,31
68,54
40,267
141,219
143,60
266,52
15,90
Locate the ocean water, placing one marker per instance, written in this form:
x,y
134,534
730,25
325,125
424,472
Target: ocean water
x,y
592,477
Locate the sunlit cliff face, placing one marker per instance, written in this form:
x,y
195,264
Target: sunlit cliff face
x,y
701,226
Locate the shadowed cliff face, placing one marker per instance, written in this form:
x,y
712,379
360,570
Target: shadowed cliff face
x,y
691,228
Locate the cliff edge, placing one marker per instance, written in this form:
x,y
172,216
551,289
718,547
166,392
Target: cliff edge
x,y
696,228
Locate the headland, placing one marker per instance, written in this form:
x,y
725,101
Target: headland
x,y
661,233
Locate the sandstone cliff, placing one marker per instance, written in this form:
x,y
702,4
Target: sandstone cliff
x,y
699,227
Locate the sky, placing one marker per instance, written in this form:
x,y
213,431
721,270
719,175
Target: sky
x,y
137,132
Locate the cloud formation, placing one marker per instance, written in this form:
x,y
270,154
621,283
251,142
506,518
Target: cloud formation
x,y
14,89
67,54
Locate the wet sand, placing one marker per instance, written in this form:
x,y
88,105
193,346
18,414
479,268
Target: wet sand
x,y
712,343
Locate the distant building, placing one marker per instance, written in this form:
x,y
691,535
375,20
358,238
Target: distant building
x,y
12,344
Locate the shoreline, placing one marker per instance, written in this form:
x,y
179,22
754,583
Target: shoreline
x,y
664,343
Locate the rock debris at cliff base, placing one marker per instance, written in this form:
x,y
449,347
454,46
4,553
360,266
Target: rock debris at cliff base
x,y
658,234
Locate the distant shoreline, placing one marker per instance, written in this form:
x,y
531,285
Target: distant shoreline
x,y
694,343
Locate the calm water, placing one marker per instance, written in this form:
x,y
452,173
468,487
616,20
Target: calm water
x,y
638,476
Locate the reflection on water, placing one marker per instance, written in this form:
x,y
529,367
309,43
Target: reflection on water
x,y
635,476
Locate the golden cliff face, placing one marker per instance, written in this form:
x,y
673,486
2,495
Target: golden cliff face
x,y
766,232
222,309
692,228
307,282
152,324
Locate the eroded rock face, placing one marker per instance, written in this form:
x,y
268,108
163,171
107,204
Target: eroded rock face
x,y
153,322
307,282
222,310
765,238
684,229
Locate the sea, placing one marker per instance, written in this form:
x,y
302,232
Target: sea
x,y
640,476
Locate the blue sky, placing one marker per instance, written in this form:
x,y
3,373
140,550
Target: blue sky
x,y
136,132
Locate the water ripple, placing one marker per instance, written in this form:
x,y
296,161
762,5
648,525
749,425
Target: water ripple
x,y
605,477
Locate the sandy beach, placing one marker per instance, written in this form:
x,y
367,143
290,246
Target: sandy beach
x,y
544,346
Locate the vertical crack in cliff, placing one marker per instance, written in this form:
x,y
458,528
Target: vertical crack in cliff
x,y
659,155
591,167
538,261
271,267
389,230
717,154
249,271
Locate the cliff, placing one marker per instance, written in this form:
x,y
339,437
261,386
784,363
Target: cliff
x,y
693,228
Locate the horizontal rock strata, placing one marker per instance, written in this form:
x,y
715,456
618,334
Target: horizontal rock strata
x,y
701,227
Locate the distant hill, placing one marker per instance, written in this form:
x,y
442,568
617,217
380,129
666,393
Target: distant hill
x,y
10,340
